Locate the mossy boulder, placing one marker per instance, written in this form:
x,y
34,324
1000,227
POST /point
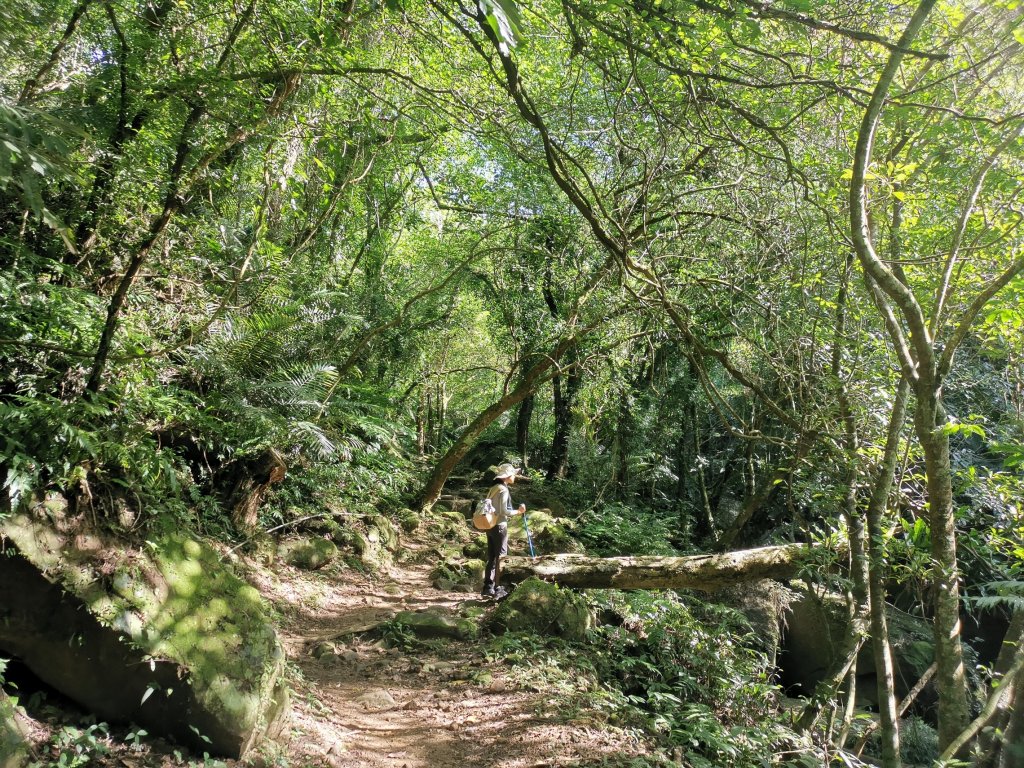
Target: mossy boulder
x,y
428,625
371,554
165,637
458,575
450,524
309,553
408,520
541,608
476,548
816,625
14,748
382,531
763,603
550,534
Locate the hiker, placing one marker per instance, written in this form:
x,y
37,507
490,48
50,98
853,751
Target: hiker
x,y
497,537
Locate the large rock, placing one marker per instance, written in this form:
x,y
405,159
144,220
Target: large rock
x,y
764,604
476,548
164,637
309,553
815,626
374,544
428,625
384,532
542,608
14,750
458,575
408,520
372,555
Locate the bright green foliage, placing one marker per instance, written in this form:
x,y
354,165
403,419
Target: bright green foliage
x,y
684,674
348,237
692,675
618,529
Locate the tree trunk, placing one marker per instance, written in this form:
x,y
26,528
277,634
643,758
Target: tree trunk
x,y
769,486
560,442
421,421
999,701
173,200
564,396
1002,745
707,573
533,378
925,369
691,486
523,429
441,413
950,680
429,441
1012,749
887,712
251,479
845,665
620,447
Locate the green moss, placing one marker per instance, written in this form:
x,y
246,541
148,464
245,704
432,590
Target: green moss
x,y
383,532
309,553
14,749
458,575
408,520
207,614
429,625
176,601
538,607
549,533
476,549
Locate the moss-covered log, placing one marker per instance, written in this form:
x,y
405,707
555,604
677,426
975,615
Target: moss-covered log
x,y
707,573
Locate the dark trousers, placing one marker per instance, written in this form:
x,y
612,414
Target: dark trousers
x,y
497,548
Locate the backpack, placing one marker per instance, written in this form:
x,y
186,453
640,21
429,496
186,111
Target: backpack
x,y
485,516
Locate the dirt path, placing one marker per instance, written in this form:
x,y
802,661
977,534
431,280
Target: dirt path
x,y
364,705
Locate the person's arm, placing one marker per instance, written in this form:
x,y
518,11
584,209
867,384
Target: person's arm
x,y
508,505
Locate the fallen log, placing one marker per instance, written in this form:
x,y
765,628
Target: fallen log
x,y
707,573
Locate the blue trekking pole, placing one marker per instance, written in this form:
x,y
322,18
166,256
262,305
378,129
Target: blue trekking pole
x,y
529,538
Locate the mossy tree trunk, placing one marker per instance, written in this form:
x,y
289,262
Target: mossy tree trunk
x,y
887,711
1002,744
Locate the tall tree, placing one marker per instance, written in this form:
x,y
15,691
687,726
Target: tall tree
x,y
926,334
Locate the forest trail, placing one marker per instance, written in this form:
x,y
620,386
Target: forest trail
x,y
363,704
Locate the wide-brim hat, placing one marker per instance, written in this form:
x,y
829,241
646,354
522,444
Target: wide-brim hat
x,y
503,471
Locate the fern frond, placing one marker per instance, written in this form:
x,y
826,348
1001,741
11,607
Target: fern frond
x,y
989,602
311,436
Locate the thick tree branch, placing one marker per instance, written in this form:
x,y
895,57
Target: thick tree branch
x,y
860,229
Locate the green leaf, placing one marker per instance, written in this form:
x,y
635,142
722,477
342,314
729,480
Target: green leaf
x,y
504,19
